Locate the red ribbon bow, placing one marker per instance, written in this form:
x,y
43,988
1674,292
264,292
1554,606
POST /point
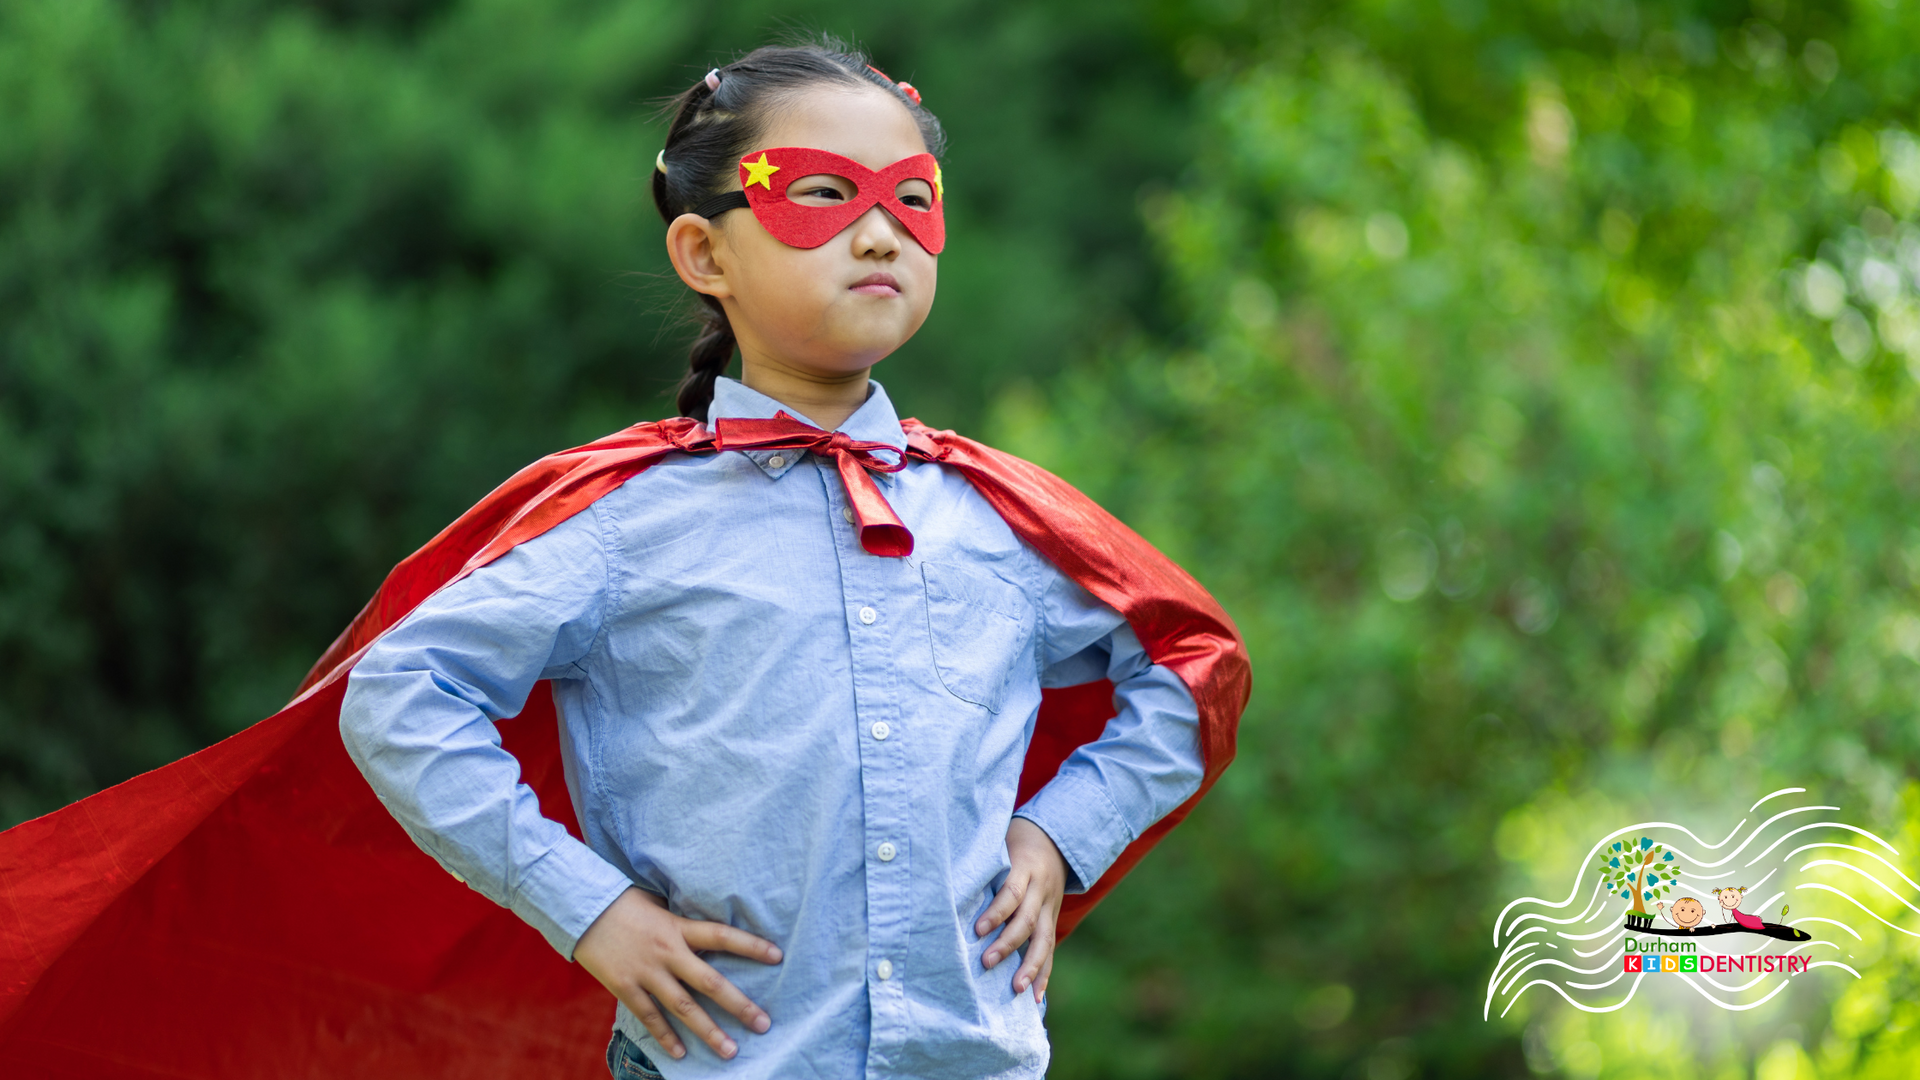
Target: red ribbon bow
x,y
881,530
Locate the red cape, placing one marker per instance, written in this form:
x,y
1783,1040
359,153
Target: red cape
x,y
252,910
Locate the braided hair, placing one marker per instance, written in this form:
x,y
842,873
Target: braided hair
x,y
715,122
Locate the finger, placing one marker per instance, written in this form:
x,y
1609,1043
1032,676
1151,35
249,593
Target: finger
x,y
1039,947
718,936
643,1007
1039,954
1046,973
678,1002
1005,903
1018,930
699,975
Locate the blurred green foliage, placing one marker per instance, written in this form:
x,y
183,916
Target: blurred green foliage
x,y
1543,406
1534,380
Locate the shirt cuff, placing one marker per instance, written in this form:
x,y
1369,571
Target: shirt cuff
x,y
565,890
1081,820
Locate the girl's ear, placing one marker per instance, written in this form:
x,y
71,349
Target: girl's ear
x,y
690,245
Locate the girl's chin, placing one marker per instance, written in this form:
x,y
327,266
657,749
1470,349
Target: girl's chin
x,y
865,342
838,365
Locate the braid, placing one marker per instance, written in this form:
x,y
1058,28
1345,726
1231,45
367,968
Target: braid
x,y
712,352
712,126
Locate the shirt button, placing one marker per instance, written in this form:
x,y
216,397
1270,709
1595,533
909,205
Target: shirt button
x,y
881,730
886,852
884,969
776,461
847,512
867,615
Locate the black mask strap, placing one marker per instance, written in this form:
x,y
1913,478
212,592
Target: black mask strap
x,y
721,203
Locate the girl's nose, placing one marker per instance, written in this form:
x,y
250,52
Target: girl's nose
x,y
877,233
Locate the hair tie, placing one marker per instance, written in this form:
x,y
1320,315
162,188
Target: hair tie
x,y
660,161
713,79
904,87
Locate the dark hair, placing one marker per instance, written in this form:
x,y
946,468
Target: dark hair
x,y
710,131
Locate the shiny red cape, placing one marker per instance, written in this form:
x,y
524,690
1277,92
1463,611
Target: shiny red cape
x,y
252,910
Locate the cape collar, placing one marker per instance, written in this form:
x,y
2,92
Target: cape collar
x,y
874,421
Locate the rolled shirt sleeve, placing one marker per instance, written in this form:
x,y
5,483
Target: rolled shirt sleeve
x,y
1144,764
418,719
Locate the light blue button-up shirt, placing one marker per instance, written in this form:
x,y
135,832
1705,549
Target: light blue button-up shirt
x,y
773,729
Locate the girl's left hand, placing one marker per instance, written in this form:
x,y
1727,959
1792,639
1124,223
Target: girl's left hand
x,y
1031,896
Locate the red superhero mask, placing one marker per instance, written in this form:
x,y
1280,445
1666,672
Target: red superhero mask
x,y
766,174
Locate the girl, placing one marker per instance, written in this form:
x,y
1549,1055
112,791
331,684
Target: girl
x,y
1730,900
798,660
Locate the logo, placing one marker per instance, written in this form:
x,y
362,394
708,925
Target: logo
x,y
1695,912
1689,962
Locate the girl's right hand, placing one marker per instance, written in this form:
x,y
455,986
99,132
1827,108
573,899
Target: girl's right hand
x,y
645,955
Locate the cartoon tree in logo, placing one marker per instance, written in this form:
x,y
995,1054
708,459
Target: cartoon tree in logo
x,y
1639,872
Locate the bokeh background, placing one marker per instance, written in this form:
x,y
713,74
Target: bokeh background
x,y
1534,381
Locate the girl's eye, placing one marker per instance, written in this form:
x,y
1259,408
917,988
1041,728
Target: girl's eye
x,y
916,193
820,189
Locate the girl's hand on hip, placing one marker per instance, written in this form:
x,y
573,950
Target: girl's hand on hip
x,y
645,955
1029,903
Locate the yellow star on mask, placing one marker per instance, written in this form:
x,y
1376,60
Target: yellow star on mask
x,y
939,189
758,172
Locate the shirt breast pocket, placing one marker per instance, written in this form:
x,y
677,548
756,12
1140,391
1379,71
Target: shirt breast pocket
x,y
979,626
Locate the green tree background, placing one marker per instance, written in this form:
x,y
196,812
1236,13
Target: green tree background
x,y
1534,380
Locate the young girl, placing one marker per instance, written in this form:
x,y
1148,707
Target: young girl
x,y
798,660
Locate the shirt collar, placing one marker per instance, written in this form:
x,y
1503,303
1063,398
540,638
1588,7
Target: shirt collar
x,y
874,421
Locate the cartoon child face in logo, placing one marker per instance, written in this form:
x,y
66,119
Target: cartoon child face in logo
x,y
1687,912
1730,898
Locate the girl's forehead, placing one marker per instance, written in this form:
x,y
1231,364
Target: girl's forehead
x,y
868,126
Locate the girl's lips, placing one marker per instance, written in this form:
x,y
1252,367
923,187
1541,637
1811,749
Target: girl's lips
x,y
876,285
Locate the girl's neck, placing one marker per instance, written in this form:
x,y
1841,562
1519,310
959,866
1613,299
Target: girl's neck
x,y
824,399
